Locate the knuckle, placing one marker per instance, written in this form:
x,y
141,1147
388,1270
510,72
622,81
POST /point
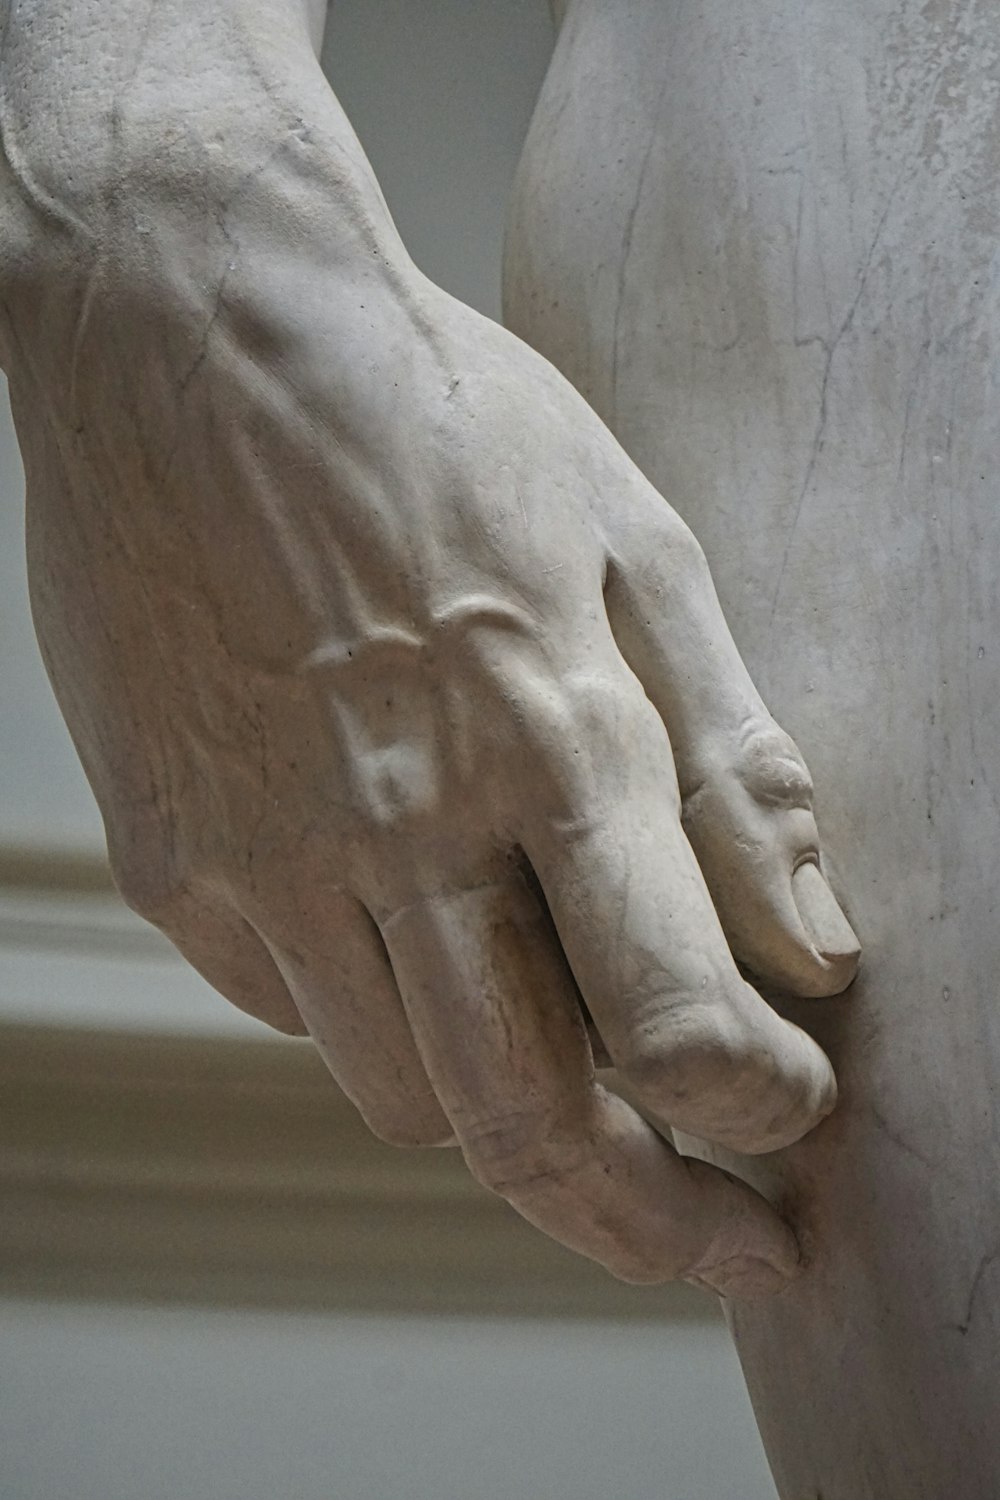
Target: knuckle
x,y
535,705
401,790
659,547
598,719
519,1154
755,793
668,538
683,1051
601,708
771,768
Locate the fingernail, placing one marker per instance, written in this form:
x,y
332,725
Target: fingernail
x,y
829,930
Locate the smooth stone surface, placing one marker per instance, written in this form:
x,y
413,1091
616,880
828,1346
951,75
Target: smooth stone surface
x,y
762,241
408,705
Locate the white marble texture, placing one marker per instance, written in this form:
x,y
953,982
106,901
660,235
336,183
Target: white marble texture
x,y
770,262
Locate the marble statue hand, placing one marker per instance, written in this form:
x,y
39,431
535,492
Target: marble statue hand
x,y
407,701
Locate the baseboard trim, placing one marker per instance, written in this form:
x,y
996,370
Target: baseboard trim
x,y
32,867
226,1171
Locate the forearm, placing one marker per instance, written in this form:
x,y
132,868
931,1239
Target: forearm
x,y
81,56
115,114
73,71
171,174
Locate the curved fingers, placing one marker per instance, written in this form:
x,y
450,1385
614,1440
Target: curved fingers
x,y
227,952
750,823
701,1048
494,1013
748,798
334,963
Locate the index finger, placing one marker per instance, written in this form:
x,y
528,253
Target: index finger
x,y
636,921
495,1015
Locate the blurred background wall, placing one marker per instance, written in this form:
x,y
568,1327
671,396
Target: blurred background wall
x,y
210,1285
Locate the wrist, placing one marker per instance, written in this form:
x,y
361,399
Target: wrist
x,y
215,128
102,97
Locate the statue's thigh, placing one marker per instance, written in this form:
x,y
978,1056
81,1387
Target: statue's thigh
x,y
761,239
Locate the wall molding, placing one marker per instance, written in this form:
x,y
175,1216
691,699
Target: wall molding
x,y
156,1144
30,867
222,1171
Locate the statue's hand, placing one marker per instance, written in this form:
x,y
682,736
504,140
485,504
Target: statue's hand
x,y
380,654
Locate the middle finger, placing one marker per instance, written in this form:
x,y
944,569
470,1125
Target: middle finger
x,y
495,1015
